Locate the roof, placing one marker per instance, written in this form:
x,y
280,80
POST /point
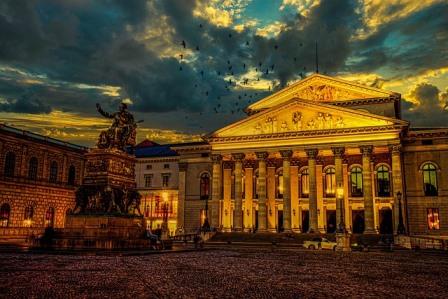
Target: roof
x,y
146,143
41,138
154,151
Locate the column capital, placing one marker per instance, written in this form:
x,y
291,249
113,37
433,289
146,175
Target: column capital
x,y
238,156
216,158
338,151
261,155
366,150
183,166
286,154
395,148
311,153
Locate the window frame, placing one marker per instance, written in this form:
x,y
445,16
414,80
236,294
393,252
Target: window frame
x,y
359,178
330,172
53,174
433,219
204,186
305,173
380,171
432,174
9,164
33,166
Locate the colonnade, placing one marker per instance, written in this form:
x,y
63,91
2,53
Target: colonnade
x,y
222,181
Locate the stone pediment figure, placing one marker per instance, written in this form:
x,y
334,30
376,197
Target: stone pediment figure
x,y
122,132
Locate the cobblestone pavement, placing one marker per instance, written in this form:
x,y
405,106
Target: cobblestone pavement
x,y
239,273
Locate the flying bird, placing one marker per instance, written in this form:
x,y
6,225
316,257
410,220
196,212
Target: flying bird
x,y
184,44
197,48
181,56
247,43
275,47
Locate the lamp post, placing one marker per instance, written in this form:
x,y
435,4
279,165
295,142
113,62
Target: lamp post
x,y
401,229
165,216
342,236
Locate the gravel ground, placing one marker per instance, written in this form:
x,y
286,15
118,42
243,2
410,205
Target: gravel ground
x,y
239,273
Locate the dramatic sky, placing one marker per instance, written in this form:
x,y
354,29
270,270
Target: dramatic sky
x,y
58,58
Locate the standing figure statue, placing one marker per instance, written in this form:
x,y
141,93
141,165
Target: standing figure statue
x,y
122,132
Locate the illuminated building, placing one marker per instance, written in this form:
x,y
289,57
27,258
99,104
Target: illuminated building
x,y
38,179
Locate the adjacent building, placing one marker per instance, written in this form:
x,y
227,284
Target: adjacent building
x,y
38,179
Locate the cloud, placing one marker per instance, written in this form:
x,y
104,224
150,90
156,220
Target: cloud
x,y
424,100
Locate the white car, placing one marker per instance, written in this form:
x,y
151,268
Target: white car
x,y
319,243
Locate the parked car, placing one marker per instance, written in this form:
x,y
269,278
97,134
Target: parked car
x,y
319,243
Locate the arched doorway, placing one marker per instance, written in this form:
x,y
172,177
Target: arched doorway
x,y
305,221
49,217
5,211
386,223
358,222
331,221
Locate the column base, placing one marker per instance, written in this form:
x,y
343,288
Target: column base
x,y
322,230
287,230
226,229
296,230
237,229
262,230
272,230
343,242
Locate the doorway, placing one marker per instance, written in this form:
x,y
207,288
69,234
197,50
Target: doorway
x,y
305,221
358,221
331,221
386,223
279,221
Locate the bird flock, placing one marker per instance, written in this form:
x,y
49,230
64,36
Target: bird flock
x,y
228,75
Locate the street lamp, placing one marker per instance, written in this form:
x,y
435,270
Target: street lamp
x,y
342,236
400,230
340,199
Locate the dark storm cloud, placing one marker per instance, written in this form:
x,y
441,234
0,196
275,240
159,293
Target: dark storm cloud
x,y
407,45
431,102
97,43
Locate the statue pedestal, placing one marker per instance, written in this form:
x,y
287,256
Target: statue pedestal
x,y
343,242
109,167
106,204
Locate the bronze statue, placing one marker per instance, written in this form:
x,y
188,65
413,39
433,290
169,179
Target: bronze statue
x,y
122,132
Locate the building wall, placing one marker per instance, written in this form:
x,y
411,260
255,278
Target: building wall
x,y
20,191
417,203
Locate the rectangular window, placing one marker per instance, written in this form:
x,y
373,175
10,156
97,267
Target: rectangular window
x,y
433,219
148,180
149,166
165,179
166,166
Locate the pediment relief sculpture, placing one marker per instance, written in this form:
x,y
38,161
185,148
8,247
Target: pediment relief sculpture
x,y
296,122
326,93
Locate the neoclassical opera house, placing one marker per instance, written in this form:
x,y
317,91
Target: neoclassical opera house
x,y
282,167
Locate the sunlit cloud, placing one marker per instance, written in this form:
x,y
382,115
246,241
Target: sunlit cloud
x,y
303,6
271,30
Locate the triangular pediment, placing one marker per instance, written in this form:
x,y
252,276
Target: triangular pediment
x,y
301,116
320,88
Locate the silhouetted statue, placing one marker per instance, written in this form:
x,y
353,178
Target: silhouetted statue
x,y
122,132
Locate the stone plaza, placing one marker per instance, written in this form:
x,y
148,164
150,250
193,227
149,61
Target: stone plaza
x,y
227,273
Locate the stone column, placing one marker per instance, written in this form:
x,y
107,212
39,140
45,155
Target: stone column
x,y
227,189
369,221
181,195
286,155
261,190
270,206
238,220
248,198
312,154
64,169
338,153
216,190
397,184
295,196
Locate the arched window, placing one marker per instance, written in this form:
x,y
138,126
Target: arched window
x,y
356,182
32,168
49,217
279,184
53,172
205,186
5,211
330,182
430,179
10,164
305,183
383,181
71,175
